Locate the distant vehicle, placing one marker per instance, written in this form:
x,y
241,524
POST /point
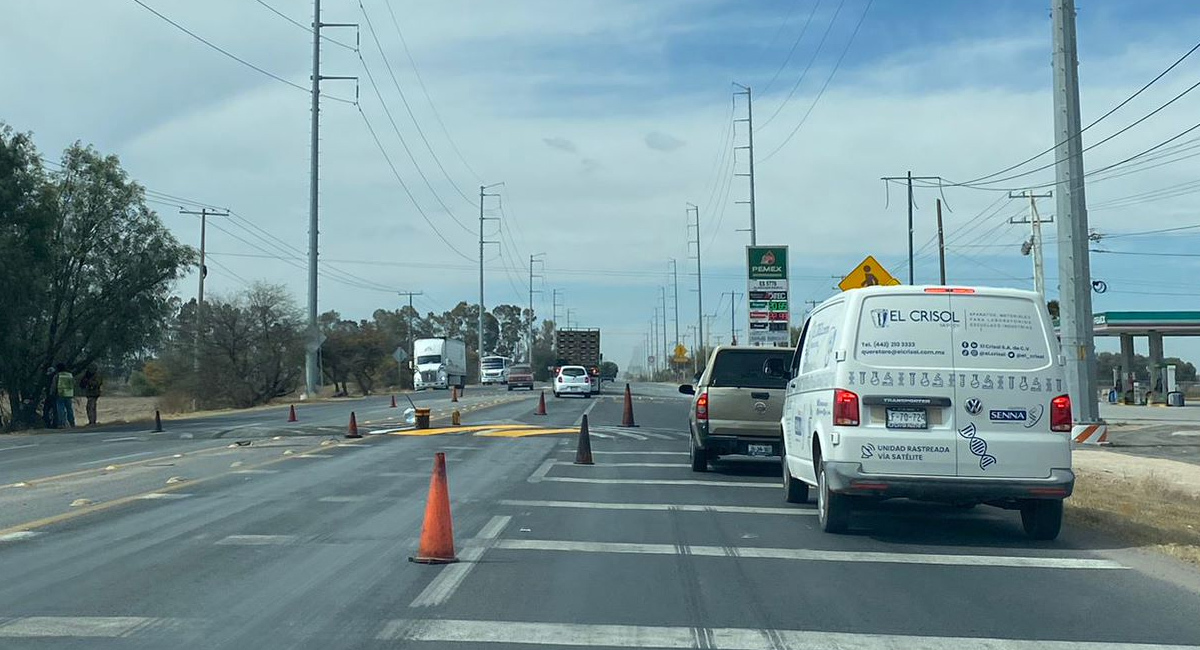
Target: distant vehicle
x,y
737,403
520,376
439,363
572,380
935,393
493,369
580,347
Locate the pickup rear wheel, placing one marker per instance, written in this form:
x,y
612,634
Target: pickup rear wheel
x,y
1042,518
699,457
795,491
833,510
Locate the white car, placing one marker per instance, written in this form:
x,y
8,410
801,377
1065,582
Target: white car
x,y
572,380
942,394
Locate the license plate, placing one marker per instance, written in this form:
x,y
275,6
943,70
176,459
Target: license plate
x,y
760,450
907,418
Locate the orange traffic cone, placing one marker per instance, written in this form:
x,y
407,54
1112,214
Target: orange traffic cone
x,y
393,402
437,533
541,409
627,417
292,413
583,453
157,422
352,432
454,394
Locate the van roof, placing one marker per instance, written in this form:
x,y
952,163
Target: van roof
x,y
766,348
921,289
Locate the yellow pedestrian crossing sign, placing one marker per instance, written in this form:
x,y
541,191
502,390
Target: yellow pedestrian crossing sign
x,y
868,273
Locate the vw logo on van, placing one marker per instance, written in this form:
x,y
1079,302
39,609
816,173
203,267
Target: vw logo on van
x,y
881,317
974,406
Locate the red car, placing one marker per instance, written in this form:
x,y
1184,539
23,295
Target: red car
x,y
520,376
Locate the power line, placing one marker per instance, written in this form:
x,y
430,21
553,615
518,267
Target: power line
x,y
425,91
404,100
795,43
229,54
811,61
303,26
824,86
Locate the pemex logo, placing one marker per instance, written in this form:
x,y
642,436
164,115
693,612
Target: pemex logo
x,y
768,259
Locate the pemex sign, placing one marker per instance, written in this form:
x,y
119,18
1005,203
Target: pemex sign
x,y
769,311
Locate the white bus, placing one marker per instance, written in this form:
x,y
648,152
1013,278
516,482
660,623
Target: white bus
x,y
494,369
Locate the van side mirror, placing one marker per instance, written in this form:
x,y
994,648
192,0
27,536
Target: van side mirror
x,y
775,367
687,389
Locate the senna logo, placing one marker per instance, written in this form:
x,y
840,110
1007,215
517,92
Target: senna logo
x,y
1007,415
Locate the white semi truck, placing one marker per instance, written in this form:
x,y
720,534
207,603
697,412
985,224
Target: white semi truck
x,y
439,363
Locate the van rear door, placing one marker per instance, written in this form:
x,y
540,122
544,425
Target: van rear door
x,y
1008,376
902,371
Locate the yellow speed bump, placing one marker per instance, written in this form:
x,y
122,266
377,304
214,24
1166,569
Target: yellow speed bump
x,y
523,433
445,430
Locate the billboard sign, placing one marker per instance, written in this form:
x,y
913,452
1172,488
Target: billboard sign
x,y
767,287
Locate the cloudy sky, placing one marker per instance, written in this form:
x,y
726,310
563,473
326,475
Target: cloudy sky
x,y
603,119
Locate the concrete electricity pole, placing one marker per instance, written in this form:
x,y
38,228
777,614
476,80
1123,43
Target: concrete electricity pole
x,y
941,245
204,213
694,211
482,198
909,178
749,120
312,370
675,294
662,292
1035,242
1074,267
733,296
532,321
412,337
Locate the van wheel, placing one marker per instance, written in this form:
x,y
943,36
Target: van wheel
x,y
1042,518
833,510
699,457
795,491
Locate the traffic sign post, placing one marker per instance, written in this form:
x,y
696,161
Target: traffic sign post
x,y
868,273
767,287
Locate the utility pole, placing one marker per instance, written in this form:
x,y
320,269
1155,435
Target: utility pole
x,y
569,317
675,294
1074,267
532,259
941,245
693,210
733,296
1034,245
662,292
554,317
412,337
654,338
482,198
312,370
749,120
910,178
204,213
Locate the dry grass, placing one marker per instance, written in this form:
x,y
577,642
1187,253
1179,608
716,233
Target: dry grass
x,y
1146,511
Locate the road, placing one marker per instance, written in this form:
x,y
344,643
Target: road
x,y
258,548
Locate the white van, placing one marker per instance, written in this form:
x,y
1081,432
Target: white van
x,y
935,393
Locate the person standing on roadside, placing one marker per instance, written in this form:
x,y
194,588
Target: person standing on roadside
x,y
90,383
64,390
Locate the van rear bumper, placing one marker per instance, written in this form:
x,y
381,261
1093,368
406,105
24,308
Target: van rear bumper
x,y
848,478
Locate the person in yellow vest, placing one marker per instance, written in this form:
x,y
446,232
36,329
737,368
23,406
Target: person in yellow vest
x,y
64,390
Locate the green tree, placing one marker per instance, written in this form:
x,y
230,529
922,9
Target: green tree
x,y
608,369
100,261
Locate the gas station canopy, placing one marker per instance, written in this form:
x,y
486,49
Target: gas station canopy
x,y
1171,323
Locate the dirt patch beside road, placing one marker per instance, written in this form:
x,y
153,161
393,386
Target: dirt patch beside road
x,y
1150,502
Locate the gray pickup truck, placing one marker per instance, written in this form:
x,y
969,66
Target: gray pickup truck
x,y
737,404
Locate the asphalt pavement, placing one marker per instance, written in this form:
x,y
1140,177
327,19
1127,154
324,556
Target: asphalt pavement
x,y
256,547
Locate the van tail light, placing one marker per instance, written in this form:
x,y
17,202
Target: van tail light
x,y
845,408
1060,413
702,406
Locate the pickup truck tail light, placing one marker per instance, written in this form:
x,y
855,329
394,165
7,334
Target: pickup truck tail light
x,y
1060,413
702,407
845,408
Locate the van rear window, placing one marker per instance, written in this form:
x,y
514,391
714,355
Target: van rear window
x,y
747,369
1000,333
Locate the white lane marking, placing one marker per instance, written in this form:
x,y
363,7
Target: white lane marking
x,y
109,460
660,436
17,447
125,439
630,453
1186,433
20,535
441,588
811,555
314,456
168,496
521,634
587,411
257,471
72,626
257,540
681,507
563,462
655,481
629,434
344,499
600,435
539,474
